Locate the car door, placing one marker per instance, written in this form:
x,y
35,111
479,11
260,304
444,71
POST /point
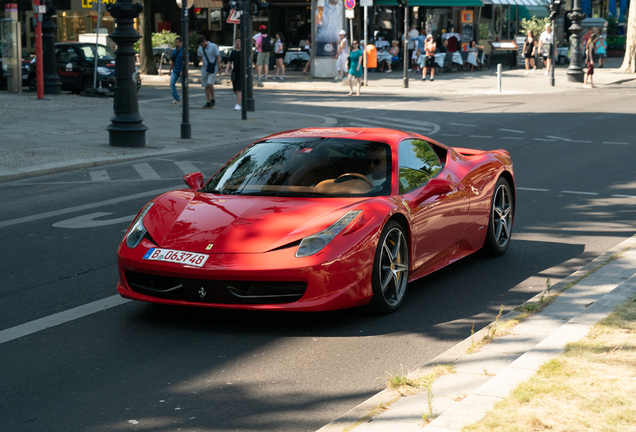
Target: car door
x,y
68,68
436,201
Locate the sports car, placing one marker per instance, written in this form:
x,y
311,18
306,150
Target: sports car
x,y
319,219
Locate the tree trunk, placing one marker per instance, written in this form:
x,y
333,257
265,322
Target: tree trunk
x,y
629,62
146,57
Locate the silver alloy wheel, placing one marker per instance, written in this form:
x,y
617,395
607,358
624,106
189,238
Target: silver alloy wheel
x,y
394,267
502,215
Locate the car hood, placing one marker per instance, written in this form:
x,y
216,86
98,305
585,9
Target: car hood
x,y
192,221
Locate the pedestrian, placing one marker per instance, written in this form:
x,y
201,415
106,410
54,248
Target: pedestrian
x,y
279,55
342,55
176,70
545,47
308,49
419,47
413,33
237,70
354,68
263,47
209,56
529,51
429,60
601,50
589,51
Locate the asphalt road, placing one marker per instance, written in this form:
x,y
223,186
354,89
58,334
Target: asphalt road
x,y
144,367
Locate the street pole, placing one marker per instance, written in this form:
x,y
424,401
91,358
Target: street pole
x,y
249,88
405,51
52,83
126,128
575,70
186,127
365,45
39,61
553,53
99,17
244,59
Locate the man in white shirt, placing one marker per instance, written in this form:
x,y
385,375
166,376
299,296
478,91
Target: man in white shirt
x,y
208,53
545,47
343,54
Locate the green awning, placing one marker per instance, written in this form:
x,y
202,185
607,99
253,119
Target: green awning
x,y
432,3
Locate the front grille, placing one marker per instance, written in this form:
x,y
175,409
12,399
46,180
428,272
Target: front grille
x,y
215,291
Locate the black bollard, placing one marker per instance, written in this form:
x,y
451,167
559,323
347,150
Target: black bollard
x,y
126,128
52,82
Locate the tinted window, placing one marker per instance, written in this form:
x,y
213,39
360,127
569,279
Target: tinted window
x,y
418,164
307,167
103,52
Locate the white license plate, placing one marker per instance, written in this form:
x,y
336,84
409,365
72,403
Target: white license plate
x,y
175,256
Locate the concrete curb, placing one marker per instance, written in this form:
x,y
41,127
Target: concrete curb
x,y
520,369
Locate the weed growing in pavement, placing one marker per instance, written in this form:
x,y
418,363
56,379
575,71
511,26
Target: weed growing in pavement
x,y
588,387
491,331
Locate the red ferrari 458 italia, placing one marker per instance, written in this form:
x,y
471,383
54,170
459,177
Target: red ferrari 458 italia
x,y
319,219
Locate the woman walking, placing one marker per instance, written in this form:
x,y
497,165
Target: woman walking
x,y
354,68
278,54
589,51
529,50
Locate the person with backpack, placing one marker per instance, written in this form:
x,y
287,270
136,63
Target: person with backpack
x,y
263,47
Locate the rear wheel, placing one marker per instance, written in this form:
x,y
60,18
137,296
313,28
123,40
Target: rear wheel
x,y
500,222
390,269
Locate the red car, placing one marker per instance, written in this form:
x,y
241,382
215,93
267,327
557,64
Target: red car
x,y
319,219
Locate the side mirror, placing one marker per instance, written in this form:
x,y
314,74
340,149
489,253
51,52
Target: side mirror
x,y
194,180
435,186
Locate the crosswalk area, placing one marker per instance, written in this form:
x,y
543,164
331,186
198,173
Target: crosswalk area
x,y
150,170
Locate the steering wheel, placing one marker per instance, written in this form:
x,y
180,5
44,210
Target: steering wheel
x,y
354,176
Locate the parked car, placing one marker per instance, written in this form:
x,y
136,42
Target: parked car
x,y
76,67
26,59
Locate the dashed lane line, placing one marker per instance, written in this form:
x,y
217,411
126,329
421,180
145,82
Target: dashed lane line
x,y
533,189
479,136
512,130
579,192
461,124
619,143
512,138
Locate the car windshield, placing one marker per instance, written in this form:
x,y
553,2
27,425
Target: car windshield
x,y
322,167
103,52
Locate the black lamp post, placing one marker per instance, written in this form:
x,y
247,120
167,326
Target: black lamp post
x,y
126,128
575,70
405,50
186,127
52,83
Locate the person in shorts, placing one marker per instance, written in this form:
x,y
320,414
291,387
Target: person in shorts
x,y
235,59
279,54
429,60
208,53
589,51
545,47
262,58
601,50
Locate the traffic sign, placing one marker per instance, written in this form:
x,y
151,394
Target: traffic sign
x,y
350,4
234,18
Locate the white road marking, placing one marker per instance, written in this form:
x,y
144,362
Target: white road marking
x,y
146,172
579,193
479,136
624,196
512,130
68,210
60,318
186,167
619,143
533,189
87,221
513,138
460,124
543,139
569,140
100,175
451,135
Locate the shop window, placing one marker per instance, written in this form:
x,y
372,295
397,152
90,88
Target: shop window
x,y
216,19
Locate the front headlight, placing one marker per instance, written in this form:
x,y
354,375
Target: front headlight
x,y
315,243
103,70
138,230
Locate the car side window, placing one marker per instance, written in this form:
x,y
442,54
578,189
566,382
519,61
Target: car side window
x,y
418,164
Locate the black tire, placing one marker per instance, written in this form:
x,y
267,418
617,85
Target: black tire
x,y
390,269
500,220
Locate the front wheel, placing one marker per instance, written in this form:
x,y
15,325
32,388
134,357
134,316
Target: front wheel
x,y
390,269
500,221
